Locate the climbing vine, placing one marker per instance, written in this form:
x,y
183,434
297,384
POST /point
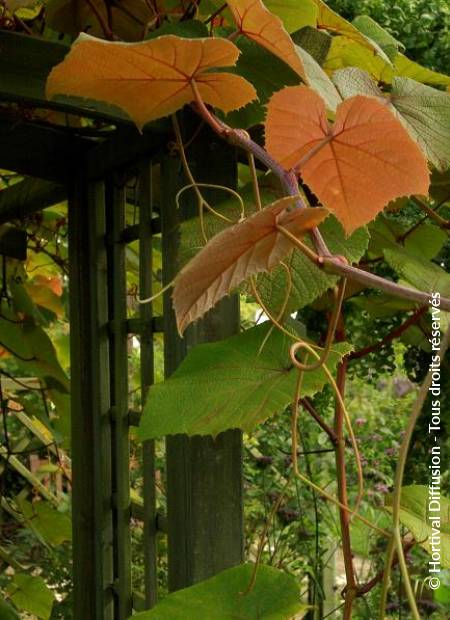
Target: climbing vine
x,y
355,153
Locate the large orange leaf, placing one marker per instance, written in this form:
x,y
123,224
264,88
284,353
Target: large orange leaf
x,y
152,79
256,22
355,167
236,253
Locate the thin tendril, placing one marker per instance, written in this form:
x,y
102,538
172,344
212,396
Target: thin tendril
x,y
395,540
283,306
348,423
256,192
156,295
202,202
262,540
339,295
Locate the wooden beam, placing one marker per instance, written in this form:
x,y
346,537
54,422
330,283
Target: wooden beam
x,y
204,475
126,148
27,197
145,199
26,64
13,242
39,151
117,296
90,403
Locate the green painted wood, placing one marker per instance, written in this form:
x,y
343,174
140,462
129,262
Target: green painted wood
x,y
145,200
13,242
39,151
126,146
117,291
27,197
24,74
90,403
204,476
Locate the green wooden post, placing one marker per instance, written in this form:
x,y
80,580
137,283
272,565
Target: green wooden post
x,y
90,401
117,291
145,199
204,475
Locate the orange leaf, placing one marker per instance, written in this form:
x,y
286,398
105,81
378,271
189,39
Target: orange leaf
x,y
365,160
54,283
236,253
152,79
256,22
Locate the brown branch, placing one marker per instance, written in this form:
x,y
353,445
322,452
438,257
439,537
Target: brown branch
x,y
329,263
365,588
350,592
307,404
103,24
395,333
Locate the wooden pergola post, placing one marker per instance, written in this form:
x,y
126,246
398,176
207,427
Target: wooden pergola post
x,y
204,475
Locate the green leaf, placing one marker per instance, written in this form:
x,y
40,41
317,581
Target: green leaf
x,y
353,81
425,242
267,73
380,306
52,526
188,29
293,14
440,186
318,80
229,384
372,30
7,612
347,53
315,42
424,111
35,354
410,69
421,274
275,596
308,281
420,516
31,594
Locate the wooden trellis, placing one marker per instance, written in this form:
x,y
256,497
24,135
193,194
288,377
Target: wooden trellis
x,y
204,477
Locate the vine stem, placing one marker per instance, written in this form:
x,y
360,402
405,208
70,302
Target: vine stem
x,y
331,264
395,333
341,476
395,542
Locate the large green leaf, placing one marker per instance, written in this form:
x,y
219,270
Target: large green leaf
x,y
420,516
308,281
424,111
7,612
293,14
420,273
423,243
34,352
31,594
275,596
347,53
267,73
315,42
229,384
440,186
371,29
50,525
404,67
318,80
